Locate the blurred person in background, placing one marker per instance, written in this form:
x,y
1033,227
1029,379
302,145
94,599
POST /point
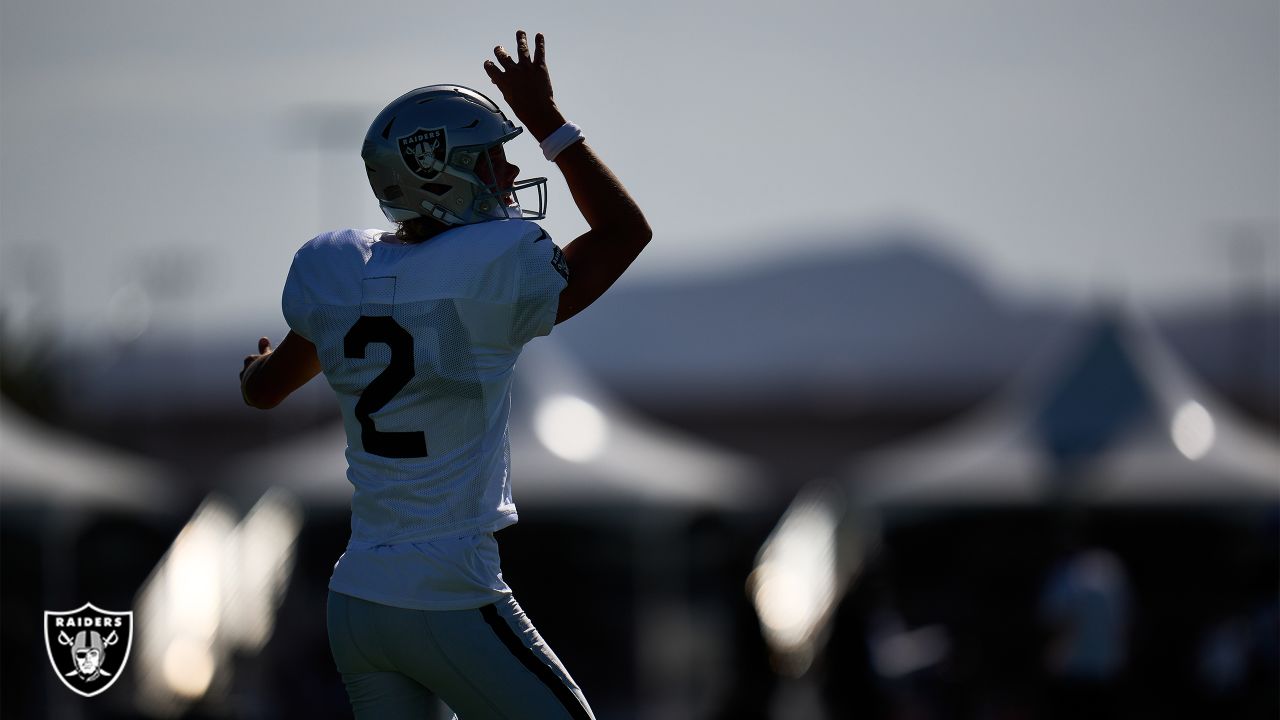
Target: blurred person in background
x,y
418,332
1086,608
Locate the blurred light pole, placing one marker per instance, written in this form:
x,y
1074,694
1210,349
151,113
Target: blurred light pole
x,y
1248,245
334,131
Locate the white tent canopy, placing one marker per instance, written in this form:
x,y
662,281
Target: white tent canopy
x,y
1110,417
42,465
571,445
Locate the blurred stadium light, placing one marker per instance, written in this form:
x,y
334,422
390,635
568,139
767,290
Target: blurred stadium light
x,y
177,613
574,443
801,572
1192,429
213,593
570,427
261,551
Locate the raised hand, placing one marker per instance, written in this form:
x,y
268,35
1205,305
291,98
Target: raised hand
x,y
619,230
526,85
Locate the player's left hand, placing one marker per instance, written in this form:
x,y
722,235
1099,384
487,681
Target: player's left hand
x,y
526,85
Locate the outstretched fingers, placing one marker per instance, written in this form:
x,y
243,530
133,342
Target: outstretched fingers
x,y
522,47
522,53
525,84
504,57
491,69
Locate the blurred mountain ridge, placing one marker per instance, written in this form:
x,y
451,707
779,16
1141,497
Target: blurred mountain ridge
x,y
895,320
873,322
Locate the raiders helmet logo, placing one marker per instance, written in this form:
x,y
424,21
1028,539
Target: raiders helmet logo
x,y
88,647
420,148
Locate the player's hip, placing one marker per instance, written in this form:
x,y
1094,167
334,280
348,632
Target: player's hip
x,y
486,662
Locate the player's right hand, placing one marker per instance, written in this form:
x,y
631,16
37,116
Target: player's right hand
x,y
264,349
526,85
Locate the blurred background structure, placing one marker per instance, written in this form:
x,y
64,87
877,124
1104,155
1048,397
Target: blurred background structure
x,y
949,386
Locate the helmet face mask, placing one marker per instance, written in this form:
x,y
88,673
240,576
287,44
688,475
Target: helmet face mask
x,y
430,153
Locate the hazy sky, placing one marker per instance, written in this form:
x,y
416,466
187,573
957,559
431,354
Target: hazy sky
x,y
161,161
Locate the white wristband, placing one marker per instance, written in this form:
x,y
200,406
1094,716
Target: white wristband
x,y
560,140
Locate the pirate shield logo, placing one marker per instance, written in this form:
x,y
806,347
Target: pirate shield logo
x,y
420,148
88,646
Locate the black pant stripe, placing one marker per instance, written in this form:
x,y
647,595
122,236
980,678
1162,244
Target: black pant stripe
x,y
530,659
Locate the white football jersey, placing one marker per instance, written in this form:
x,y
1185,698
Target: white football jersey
x,y
419,342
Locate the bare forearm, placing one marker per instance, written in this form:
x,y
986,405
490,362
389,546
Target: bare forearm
x,y
605,204
618,231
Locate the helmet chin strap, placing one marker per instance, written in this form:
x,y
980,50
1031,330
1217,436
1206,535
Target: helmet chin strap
x,y
485,207
508,212
501,210
399,215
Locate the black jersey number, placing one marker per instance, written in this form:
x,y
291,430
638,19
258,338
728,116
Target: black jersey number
x,y
384,329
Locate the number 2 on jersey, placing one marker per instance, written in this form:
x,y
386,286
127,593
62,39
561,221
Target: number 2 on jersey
x,y
384,329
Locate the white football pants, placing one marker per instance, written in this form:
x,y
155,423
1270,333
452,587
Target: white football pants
x,y
485,664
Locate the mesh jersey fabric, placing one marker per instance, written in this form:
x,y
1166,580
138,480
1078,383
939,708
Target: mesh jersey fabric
x,y
419,342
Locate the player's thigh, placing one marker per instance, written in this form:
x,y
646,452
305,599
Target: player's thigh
x,y
352,636
388,696
499,667
358,636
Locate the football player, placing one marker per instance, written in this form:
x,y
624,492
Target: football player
x,y
418,331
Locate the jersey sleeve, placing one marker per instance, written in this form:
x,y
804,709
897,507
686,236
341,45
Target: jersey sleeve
x,y
541,273
326,272
294,300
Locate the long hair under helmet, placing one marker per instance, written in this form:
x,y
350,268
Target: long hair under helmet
x,y
422,153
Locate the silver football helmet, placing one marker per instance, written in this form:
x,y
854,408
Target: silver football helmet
x,y
427,155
